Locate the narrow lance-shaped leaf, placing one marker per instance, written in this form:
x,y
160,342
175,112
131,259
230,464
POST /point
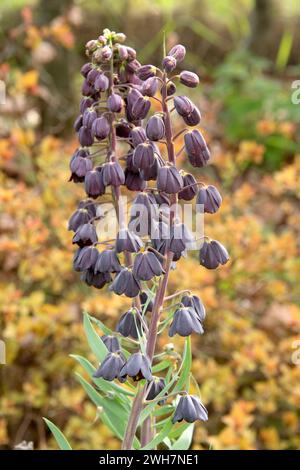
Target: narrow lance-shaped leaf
x,y
59,436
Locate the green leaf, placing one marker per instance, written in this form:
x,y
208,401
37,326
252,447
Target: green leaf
x,y
185,440
113,415
161,366
186,366
94,340
105,329
59,437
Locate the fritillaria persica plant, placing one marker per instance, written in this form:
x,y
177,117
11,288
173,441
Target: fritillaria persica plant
x,y
125,145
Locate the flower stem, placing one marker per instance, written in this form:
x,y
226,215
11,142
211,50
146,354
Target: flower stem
x,y
159,298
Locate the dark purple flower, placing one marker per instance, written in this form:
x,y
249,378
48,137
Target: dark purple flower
x,y
180,238
210,198
185,322
131,53
115,103
138,136
178,52
130,324
93,183
87,89
78,123
169,179
194,118
141,108
189,79
125,283
128,241
92,75
149,87
146,302
100,128
155,128
190,409
86,68
123,53
213,253
79,217
146,71
85,136
107,262
156,387
85,258
85,235
146,266
134,181
171,88
111,342
196,303
106,53
183,105
101,83
96,280
123,129
111,366
89,117
190,187
113,174
169,63
196,148
138,367
89,205
79,167
85,104
143,156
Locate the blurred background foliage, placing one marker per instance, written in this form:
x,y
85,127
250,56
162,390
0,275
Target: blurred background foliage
x,y
247,55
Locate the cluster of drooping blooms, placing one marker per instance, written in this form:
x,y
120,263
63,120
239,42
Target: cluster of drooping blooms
x,y
115,114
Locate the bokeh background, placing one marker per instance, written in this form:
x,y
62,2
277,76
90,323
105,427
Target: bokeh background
x,y
247,55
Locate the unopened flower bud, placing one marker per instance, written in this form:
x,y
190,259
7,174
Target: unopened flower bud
x,y
123,53
178,52
119,37
183,105
146,71
169,63
189,79
114,103
149,87
106,53
196,148
100,128
155,128
171,88
101,82
85,137
91,46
